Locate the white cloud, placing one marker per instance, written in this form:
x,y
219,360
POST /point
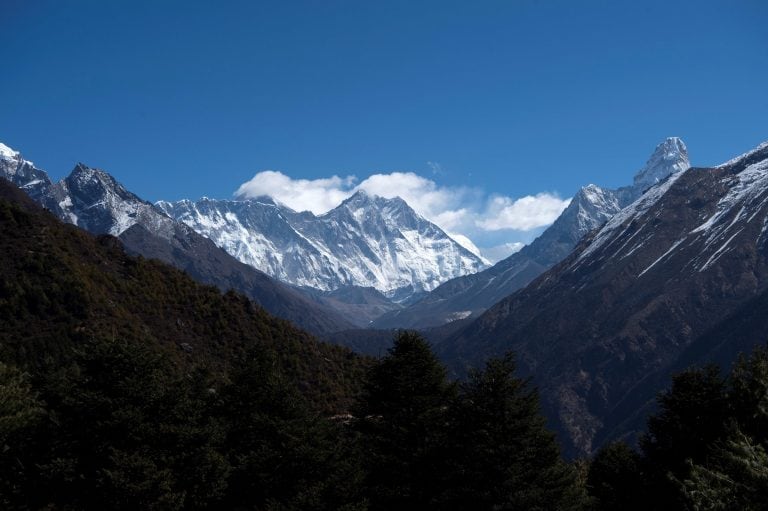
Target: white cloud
x,y
315,195
449,207
522,214
466,213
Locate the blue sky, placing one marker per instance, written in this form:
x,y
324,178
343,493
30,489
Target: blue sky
x,y
503,99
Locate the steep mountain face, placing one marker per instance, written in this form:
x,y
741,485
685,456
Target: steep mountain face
x,y
670,157
23,173
367,241
602,331
470,295
89,198
94,200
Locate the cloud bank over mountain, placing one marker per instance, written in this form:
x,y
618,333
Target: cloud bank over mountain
x,y
467,213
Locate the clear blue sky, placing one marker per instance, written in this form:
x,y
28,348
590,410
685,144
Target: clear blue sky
x,y
184,99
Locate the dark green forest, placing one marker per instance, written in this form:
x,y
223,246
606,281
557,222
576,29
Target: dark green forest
x,y
705,447
124,384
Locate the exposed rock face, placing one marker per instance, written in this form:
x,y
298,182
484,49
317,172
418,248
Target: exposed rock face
x,y
591,207
602,331
23,173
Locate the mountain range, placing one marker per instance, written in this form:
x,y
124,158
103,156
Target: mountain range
x,y
366,257
94,200
468,296
366,241
626,287
679,277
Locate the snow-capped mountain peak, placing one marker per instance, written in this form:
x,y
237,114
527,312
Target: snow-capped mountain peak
x,y
359,197
93,200
93,180
676,279
590,208
367,241
7,153
22,173
594,206
369,209
670,157
88,197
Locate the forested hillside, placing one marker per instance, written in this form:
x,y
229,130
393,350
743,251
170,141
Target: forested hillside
x,y
61,285
126,385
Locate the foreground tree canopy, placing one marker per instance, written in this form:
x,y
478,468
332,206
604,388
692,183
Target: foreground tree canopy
x,y
116,427
705,448
124,384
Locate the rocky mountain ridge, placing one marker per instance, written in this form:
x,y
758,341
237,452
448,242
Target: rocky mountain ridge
x,y
93,200
366,241
602,331
470,295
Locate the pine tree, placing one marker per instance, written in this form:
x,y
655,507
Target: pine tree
x,y
504,458
284,456
734,474
615,479
693,415
734,478
126,433
403,417
748,394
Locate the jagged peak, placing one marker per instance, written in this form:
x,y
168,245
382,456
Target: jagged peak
x,y
674,142
671,149
363,197
82,174
82,168
396,200
83,178
669,157
590,194
380,206
359,197
590,189
8,153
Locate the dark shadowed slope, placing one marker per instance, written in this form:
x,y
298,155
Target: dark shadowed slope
x,y
634,298
61,286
